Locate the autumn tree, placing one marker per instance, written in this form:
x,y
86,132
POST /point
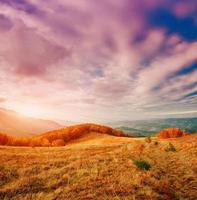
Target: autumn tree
x,y
58,142
3,139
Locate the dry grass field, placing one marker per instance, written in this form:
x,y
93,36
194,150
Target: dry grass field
x,y
100,167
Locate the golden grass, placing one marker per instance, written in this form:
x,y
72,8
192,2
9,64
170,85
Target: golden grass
x,y
100,167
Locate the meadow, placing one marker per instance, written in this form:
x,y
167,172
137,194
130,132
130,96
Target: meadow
x,y
100,166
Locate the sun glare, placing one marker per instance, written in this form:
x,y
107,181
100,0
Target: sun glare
x,y
30,111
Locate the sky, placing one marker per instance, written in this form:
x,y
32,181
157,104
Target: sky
x,y
99,60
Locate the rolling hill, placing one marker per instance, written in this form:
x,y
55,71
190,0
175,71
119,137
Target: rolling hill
x,y
17,124
59,137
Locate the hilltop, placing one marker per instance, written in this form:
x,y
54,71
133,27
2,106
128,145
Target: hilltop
x,y
60,137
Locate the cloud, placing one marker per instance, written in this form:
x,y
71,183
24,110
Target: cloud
x,y
3,99
5,23
98,57
185,8
28,53
22,5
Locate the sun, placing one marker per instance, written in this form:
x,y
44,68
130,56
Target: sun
x,y
30,111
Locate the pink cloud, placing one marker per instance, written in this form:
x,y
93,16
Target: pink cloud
x,y
28,53
3,99
90,55
185,8
5,23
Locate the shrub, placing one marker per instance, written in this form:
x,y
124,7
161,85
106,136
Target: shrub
x,y
142,164
148,139
156,143
170,147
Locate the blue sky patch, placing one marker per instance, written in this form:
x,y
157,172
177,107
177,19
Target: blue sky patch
x,y
185,27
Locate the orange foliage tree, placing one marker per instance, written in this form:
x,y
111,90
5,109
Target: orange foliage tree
x,y
3,139
171,133
58,142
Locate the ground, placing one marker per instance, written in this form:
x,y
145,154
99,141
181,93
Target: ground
x,y
100,167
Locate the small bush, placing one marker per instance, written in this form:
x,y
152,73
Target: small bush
x,y
156,143
142,164
170,147
148,139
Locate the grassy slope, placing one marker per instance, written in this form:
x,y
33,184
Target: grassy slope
x,y
100,167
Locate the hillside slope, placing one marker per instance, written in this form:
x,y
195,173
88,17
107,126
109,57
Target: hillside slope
x,y
90,170
19,125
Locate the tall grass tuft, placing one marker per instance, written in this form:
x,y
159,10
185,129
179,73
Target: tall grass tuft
x,y
170,147
148,139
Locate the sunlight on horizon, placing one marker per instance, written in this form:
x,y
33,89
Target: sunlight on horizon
x,y
30,110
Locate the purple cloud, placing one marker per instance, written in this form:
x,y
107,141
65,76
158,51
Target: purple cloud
x,y
5,23
22,5
96,57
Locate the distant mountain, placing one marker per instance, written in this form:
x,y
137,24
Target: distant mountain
x,y
17,124
153,126
135,132
66,122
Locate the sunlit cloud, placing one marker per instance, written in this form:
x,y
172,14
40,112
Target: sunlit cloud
x,y
179,113
104,60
